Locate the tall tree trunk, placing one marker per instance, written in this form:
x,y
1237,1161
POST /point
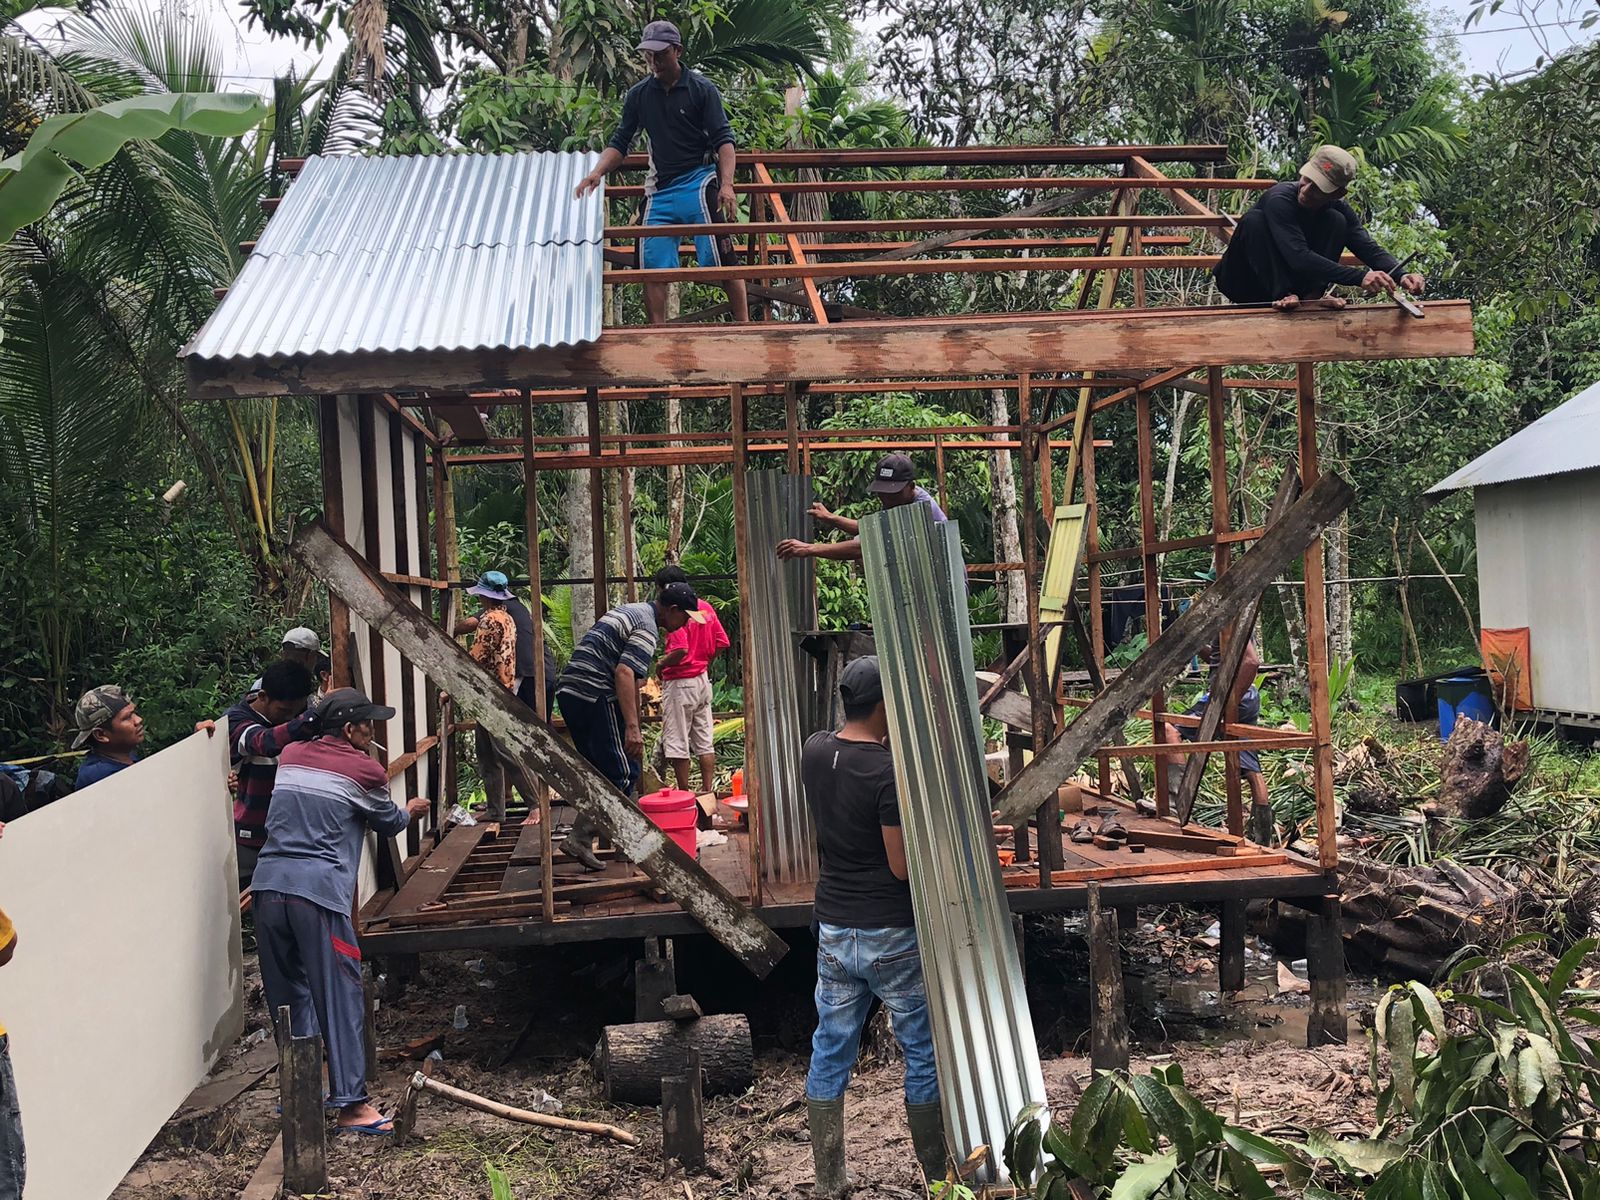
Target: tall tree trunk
x,y
610,425
1294,621
1007,536
1174,449
1341,637
580,529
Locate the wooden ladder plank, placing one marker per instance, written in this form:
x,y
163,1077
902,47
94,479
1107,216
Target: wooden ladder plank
x,y
436,872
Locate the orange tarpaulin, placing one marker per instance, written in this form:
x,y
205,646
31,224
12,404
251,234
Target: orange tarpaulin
x,y
1506,657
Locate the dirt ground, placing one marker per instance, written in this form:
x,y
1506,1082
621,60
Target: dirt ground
x,y
533,1018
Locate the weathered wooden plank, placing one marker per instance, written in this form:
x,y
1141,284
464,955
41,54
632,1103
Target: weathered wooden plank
x,y
1005,344
435,873
1184,638
530,741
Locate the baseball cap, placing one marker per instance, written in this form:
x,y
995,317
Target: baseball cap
x,y
95,708
681,595
860,683
301,638
658,35
1331,168
492,585
344,705
894,472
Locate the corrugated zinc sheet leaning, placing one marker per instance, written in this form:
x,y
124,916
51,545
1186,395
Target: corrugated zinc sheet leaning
x,y
983,1033
777,509
419,253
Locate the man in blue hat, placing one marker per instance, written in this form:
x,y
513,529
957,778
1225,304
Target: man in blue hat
x,y
691,164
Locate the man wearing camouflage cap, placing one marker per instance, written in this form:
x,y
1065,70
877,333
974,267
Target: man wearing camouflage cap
x,y
1286,250
108,722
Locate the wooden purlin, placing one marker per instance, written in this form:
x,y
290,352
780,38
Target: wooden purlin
x,y
797,254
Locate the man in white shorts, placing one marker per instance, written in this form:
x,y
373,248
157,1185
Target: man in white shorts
x,y
686,689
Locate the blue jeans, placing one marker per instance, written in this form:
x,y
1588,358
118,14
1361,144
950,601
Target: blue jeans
x,y
13,1159
854,965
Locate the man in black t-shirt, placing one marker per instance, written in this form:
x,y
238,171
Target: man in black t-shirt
x,y
866,933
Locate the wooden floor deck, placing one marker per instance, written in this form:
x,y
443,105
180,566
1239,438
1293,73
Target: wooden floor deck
x,y
473,891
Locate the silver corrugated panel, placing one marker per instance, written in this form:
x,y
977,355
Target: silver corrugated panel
x,y
1565,439
777,506
983,1033
409,253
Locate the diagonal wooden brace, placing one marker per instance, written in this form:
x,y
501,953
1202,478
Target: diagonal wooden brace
x,y
1185,637
531,745
1228,666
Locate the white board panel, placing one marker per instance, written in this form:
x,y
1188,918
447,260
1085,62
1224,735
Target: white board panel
x,y
127,980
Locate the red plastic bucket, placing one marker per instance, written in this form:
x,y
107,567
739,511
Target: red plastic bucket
x,y
677,814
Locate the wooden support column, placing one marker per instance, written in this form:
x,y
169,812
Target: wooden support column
x,y
1108,1010
654,979
1096,651
1048,823
939,474
305,1146
1230,959
739,424
597,508
683,1119
1152,579
1329,1023
1217,444
333,513
541,792
1317,631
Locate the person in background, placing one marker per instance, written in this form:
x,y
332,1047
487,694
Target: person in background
x,y
598,695
686,726
526,676
13,1155
108,722
1286,250
1245,705
328,793
894,483
302,645
866,931
494,648
258,730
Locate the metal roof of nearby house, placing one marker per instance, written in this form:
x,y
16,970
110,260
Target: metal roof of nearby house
x,y
1565,439
419,253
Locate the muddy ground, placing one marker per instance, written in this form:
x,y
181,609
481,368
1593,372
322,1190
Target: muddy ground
x,y
534,1017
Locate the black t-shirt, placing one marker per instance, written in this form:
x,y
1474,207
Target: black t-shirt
x,y
850,788
523,620
687,125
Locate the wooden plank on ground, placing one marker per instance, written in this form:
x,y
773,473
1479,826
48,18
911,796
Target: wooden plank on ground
x,y
1178,643
438,870
528,740
1144,867
258,1062
267,1182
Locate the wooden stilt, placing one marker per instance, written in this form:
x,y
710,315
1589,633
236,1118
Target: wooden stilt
x,y
683,1119
541,791
369,1021
1230,960
655,978
1317,632
1108,1015
1152,581
1329,1023
305,1147
597,508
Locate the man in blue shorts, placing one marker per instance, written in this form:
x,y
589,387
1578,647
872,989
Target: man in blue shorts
x,y
691,163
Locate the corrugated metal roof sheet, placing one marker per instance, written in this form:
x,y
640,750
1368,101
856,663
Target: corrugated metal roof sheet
x,y
419,253
1563,440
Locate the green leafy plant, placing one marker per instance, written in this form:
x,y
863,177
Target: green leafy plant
x,y
499,1185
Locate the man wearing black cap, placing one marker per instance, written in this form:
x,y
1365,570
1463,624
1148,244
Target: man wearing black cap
x,y
866,933
327,794
691,157
598,694
894,483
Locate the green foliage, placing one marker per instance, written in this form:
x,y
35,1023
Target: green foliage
x,y
499,1185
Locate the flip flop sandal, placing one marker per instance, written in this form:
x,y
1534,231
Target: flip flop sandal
x,y
1113,828
382,1127
1083,831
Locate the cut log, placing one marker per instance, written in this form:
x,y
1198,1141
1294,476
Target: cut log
x,y
635,1058
1478,771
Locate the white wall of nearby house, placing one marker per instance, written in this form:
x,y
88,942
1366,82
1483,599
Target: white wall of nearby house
x,y
1539,566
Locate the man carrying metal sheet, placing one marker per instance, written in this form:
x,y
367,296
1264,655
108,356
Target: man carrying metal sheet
x,y
894,483
866,933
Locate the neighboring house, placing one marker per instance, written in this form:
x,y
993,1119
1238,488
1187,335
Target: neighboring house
x,y
1537,498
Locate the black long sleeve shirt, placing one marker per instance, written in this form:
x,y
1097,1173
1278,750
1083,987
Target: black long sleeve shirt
x,y
686,124
1282,248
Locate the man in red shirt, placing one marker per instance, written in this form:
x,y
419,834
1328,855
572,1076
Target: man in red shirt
x,y
686,689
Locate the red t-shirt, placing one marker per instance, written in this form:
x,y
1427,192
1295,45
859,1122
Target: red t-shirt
x,y
703,642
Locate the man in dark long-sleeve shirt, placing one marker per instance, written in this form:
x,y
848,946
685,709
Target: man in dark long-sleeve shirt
x,y
691,157
1286,249
258,730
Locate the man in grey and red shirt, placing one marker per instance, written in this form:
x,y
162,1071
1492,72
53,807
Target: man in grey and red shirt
x,y
328,793
259,727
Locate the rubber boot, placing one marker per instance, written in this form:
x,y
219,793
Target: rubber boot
x,y
579,844
927,1139
826,1118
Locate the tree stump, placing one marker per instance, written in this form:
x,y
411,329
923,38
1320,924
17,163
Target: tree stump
x,y
635,1058
1478,771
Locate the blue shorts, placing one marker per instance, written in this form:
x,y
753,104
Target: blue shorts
x,y
1249,713
688,200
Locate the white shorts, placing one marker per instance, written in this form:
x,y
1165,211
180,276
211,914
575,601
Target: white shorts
x,y
686,717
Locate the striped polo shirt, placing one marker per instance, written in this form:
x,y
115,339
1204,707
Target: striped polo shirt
x,y
627,636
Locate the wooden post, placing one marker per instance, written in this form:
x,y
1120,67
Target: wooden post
x,y
597,507
1152,581
1317,631
530,485
683,1120
333,513
1048,823
1108,1015
1217,439
655,978
791,427
938,472
738,422
1329,1023
1230,959
369,1020
305,1149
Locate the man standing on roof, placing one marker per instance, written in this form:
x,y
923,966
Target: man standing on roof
x,y
691,161
598,695
894,483
1286,249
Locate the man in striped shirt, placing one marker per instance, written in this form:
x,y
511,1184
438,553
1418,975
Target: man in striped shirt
x,y
259,727
598,695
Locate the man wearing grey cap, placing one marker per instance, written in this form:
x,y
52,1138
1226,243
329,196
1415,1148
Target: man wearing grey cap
x,y
108,723
866,932
1286,249
691,164
894,483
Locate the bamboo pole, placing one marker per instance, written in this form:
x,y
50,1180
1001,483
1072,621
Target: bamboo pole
x,y
1317,630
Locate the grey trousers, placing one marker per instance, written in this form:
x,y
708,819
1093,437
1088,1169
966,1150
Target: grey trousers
x,y
311,963
492,769
13,1158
